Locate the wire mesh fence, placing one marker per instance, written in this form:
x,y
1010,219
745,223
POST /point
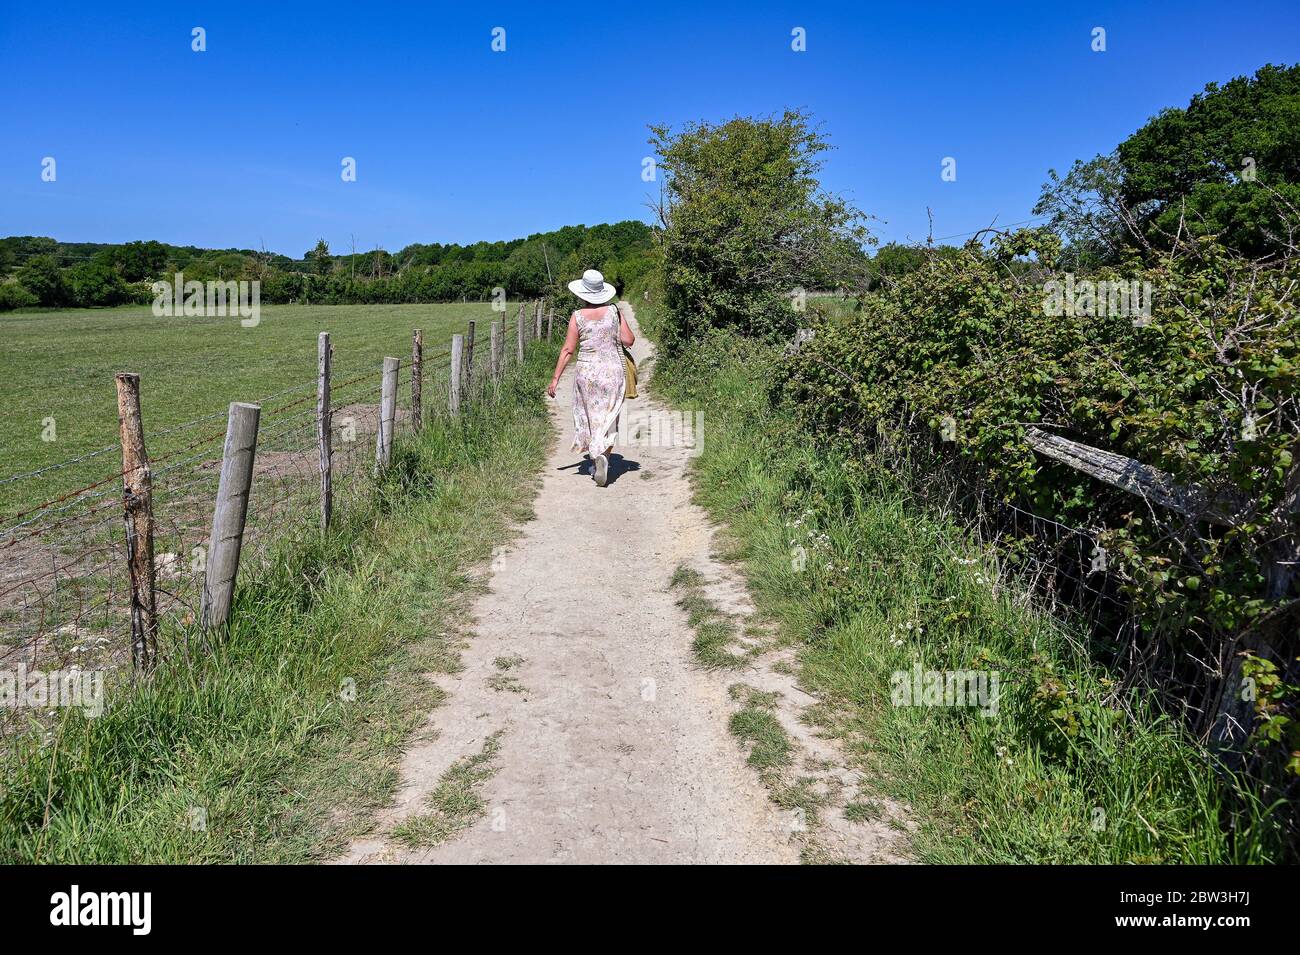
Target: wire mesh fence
x,y
1063,567
72,600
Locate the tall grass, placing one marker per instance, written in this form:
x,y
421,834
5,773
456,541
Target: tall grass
x,y
868,582
280,743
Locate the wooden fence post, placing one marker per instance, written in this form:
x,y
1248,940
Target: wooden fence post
x,y
466,390
417,379
324,426
230,514
457,354
550,322
387,415
537,320
137,504
521,330
494,356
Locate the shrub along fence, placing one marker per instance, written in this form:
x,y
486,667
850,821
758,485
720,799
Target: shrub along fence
x,y
1143,465
113,575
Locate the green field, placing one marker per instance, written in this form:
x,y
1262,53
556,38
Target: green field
x,y
60,365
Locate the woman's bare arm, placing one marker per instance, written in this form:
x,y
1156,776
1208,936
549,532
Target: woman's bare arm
x,y
624,330
568,351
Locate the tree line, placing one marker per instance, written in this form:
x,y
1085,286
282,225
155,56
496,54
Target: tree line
x,y
41,271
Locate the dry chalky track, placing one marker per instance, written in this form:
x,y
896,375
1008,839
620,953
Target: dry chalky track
x,y
582,728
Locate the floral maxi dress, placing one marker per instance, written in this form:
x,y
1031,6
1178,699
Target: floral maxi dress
x,y
598,387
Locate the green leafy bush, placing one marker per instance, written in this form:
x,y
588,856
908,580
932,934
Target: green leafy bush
x,y
13,295
1204,389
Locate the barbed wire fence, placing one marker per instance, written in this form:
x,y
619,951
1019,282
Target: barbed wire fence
x,y
92,575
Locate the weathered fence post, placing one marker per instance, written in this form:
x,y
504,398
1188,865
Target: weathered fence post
x,y
417,379
537,320
453,393
230,514
324,426
494,357
387,415
521,330
137,505
550,322
469,362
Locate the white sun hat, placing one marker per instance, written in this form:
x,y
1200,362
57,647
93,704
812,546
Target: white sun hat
x,y
592,288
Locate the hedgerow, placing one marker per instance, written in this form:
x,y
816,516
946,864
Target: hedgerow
x,y
1176,345
965,355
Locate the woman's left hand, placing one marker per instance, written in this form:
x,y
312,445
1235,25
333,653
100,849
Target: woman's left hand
x,y
550,389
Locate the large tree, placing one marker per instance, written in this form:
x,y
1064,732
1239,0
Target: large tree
x,y
320,257
137,261
747,224
42,277
1228,165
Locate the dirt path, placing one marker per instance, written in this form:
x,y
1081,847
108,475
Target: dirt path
x,y
582,728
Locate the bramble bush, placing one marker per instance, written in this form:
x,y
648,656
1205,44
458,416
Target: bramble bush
x,y
1205,388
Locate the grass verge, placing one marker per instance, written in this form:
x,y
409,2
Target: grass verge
x,y
870,584
282,743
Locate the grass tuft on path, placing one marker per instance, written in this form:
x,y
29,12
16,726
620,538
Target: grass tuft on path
x,y
715,631
769,746
455,803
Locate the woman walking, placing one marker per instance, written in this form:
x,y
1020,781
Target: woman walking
x,y
595,335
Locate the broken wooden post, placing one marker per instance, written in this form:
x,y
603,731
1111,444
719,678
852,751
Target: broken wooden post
x,y
324,425
137,505
1135,477
229,515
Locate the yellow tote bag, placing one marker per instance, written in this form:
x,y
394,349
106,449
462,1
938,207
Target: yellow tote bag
x,y
629,374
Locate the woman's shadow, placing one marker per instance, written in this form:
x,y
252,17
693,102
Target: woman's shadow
x,y
618,466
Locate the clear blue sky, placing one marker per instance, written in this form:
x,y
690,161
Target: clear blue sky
x,y
242,144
